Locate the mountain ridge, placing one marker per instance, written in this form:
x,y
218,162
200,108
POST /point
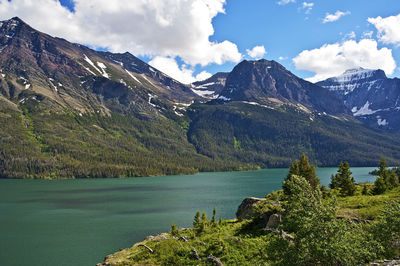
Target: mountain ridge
x,y
269,83
58,69
372,97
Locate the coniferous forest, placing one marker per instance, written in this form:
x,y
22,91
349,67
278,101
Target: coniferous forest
x,y
38,143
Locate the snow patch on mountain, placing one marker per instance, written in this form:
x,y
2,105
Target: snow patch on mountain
x,y
103,69
205,93
364,110
132,76
352,75
205,86
148,80
381,122
151,96
87,59
223,98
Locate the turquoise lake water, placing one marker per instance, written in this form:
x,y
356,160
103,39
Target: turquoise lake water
x,y
79,222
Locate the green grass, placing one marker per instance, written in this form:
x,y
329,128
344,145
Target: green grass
x,y
366,206
230,241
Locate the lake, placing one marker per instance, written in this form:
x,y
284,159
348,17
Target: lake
x,y
79,222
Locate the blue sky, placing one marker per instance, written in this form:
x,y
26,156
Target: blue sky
x,y
186,38
286,30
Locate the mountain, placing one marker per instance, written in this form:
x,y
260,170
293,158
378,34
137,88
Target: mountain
x,y
211,87
68,111
72,75
269,83
372,97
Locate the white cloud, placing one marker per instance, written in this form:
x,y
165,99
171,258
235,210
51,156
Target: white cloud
x,y
281,58
333,59
285,2
257,52
143,27
203,75
334,17
308,7
368,34
388,28
170,67
350,35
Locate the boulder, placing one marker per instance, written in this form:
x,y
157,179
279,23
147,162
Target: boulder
x,y
246,208
274,220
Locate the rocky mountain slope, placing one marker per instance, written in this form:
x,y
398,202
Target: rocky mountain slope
x,y
269,83
372,97
211,87
78,78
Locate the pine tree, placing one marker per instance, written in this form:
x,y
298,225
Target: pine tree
x,y
334,182
294,168
343,180
365,190
393,180
304,169
213,217
382,166
196,220
204,221
380,186
174,230
382,171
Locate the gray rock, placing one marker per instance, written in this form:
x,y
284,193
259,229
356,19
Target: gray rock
x,y
214,259
246,208
274,220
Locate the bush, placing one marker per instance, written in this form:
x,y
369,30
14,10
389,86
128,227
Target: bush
x,y
387,230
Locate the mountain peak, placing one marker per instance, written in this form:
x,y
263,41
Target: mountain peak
x,y
15,20
269,83
360,74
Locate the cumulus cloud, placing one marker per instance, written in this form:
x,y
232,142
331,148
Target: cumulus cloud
x,y
333,59
182,73
257,52
388,28
167,28
334,17
285,2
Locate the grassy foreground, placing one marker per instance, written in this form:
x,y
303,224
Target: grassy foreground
x,y
246,242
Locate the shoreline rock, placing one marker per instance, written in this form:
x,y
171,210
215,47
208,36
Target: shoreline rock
x,y
246,208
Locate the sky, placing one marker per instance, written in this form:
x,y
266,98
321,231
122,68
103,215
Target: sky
x,y
192,39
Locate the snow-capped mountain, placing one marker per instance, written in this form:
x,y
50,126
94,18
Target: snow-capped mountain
x,y
372,97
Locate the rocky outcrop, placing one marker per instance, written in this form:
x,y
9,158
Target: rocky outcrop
x,y
274,220
246,208
214,260
385,263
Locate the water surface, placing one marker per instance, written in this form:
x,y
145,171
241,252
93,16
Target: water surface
x,y
78,222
